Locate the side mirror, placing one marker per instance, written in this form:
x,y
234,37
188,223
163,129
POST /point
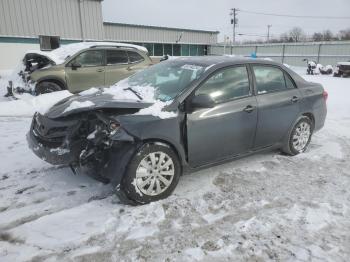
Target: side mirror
x,y
202,101
75,65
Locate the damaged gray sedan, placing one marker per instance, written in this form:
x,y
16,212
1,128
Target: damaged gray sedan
x,y
179,115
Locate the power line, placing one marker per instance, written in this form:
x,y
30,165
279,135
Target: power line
x,y
295,16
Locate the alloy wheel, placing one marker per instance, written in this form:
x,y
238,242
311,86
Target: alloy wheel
x,y
301,136
155,173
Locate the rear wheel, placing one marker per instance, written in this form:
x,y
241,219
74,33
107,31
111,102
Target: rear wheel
x,y
300,137
152,174
47,87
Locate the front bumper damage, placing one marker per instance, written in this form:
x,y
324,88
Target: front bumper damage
x,y
104,157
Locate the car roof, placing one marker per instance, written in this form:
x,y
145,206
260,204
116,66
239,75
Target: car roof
x,y
216,60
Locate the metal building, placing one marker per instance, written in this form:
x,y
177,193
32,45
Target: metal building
x,y
45,24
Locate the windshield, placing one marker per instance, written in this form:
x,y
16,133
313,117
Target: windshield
x,y
168,78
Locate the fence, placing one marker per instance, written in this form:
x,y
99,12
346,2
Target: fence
x,y
326,53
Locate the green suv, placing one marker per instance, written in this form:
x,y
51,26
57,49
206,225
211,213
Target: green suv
x,y
77,67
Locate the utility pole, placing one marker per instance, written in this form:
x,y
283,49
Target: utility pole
x,y
234,22
268,33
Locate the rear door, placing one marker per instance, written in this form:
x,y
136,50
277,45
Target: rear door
x,y
91,72
117,66
278,104
228,128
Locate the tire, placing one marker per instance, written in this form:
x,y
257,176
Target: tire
x,y
339,74
300,137
47,87
145,166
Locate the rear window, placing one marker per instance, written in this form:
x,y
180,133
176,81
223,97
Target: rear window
x,y
115,57
271,79
134,57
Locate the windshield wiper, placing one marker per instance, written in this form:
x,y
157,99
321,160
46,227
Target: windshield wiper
x,y
135,92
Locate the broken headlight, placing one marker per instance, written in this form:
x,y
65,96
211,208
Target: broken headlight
x,y
113,127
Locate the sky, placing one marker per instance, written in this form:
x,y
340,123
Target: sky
x,y
214,15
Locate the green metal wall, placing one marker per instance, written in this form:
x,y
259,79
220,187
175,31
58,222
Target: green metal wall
x,y
291,53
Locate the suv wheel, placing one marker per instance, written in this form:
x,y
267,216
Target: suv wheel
x,y
47,87
152,174
300,137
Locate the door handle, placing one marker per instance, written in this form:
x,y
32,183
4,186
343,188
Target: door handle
x,y
294,99
100,70
249,109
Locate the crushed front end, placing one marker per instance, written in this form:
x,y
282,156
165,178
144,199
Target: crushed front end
x,y
21,81
85,141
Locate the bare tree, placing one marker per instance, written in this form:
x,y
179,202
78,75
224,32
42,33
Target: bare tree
x,y
317,37
327,35
297,34
344,34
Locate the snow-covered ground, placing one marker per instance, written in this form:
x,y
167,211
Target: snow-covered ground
x,y
263,207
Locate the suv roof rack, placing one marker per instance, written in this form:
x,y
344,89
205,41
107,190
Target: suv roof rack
x,y
115,46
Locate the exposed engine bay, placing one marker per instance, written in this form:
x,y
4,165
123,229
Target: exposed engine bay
x,y
31,62
81,140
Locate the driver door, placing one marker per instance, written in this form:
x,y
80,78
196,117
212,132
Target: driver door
x,y
89,73
227,129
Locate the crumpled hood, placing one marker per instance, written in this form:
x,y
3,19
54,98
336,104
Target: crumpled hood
x,y
78,104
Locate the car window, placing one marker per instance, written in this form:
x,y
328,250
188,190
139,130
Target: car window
x,y
227,84
269,79
134,57
115,57
168,78
289,82
90,58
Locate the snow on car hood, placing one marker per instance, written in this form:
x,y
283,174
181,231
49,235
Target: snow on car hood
x,y
117,96
59,55
78,104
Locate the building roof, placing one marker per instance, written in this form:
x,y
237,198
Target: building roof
x,y
162,27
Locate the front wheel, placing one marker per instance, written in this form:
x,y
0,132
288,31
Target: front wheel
x,y
300,137
151,175
47,87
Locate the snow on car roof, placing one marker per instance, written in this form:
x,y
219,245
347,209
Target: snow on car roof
x,y
60,54
343,63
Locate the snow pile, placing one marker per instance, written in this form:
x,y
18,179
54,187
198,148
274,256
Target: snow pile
x,y
157,110
28,105
76,105
328,67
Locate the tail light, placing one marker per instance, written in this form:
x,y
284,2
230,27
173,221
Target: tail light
x,y
325,95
